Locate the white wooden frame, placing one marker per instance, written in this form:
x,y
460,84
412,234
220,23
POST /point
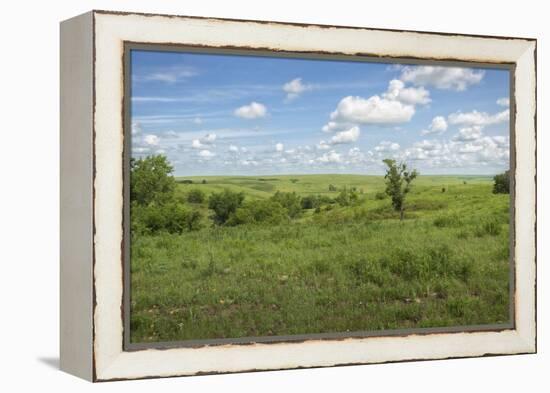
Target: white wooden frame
x,y
92,144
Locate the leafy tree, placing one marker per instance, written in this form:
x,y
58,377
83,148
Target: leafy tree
x,y
502,183
151,180
195,196
290,201
154,207
398,183
261,211
224,204
332,187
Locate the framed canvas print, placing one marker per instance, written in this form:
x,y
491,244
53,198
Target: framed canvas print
x,y
245,195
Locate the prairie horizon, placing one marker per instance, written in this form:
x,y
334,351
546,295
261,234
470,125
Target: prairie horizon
x,y
341,266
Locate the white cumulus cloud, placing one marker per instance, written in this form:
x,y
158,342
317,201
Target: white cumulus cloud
x,y
279,147
254,110
323,145
427,145
387,147
151,140
196,144
471,133
206,154
503,102
407,95
136,128
455,78
330,157
294,88
395,106
372,110
208,139
170,75
475,118
437,126
202,143
347,136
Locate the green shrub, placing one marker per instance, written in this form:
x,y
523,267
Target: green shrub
x,y
290,201
224,204
261,211
171,217
502,183
193,220
315,201
380,196
310,202
347,197
195,196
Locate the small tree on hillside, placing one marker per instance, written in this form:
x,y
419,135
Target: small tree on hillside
x,y
151,180
398,183
502,183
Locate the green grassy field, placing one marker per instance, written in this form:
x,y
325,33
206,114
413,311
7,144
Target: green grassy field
x,y
347,268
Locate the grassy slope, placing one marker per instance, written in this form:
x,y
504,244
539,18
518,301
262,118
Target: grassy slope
x,y
348,269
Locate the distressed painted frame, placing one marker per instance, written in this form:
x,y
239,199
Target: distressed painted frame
x,y
92,194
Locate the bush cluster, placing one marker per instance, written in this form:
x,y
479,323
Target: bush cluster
x,y
171,217
195,196
260,211
230,208
153,203
290,201
347,196
225,204
315,201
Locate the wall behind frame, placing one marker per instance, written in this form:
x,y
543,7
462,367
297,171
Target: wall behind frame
x,y
76,193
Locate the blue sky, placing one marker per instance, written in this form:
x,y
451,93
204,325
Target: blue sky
x,y
248,115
